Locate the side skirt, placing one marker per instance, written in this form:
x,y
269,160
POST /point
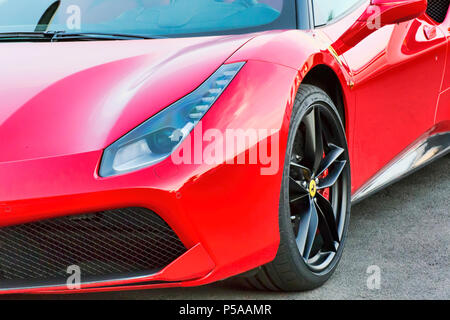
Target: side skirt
x,y
415,157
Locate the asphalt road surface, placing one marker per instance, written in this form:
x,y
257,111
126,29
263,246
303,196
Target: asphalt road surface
x,y
404,230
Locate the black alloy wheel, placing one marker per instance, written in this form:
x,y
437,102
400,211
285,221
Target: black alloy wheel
x,y
315,169
315,198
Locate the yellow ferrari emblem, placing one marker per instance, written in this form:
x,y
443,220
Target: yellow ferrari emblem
x,y
312,188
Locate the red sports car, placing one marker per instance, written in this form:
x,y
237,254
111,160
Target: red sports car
x,y
163,143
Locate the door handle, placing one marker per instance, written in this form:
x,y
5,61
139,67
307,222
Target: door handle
x,y
430,32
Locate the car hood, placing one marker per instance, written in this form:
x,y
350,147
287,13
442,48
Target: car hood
x,y
73,97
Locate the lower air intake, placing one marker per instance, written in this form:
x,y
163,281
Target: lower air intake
x,y
437,9
104,245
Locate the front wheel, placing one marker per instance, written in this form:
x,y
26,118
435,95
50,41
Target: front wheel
x,y
315,198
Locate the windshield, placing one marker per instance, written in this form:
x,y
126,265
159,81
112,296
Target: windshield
x,y
147,17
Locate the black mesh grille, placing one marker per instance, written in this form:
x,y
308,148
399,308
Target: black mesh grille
x,y
437,9
102,244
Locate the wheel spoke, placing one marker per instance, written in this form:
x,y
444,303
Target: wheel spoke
x,y
309,222
325,232
313,140
328,216
332,176
296,186
298,198
313,225
302,235
319,141
330,158
306,173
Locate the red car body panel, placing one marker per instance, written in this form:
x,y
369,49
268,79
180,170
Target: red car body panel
x,y
107,81
443,110
381,66
69,101
445,27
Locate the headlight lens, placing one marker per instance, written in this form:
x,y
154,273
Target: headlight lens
x,y
156,139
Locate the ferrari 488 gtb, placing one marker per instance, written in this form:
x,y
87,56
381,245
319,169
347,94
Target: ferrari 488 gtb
x,y
164,143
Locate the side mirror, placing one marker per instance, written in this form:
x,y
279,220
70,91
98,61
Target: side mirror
x,y
378,14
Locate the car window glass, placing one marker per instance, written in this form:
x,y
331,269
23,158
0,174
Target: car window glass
x,y
148,17
328,10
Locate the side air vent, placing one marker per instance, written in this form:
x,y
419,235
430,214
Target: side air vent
x,y
104,245
437,9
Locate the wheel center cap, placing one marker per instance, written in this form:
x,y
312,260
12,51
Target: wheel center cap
x,y
312,188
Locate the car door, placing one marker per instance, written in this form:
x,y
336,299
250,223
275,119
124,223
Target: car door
x,y
397,75
438,10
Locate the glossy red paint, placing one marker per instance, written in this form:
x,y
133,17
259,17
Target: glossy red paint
x,y
443,109
445,27
378,14
69,101
239,235
107,80
388,102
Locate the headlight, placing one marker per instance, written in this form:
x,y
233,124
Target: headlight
x,y
156,139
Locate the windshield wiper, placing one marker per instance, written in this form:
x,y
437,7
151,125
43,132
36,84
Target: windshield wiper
x,y
70,36
26,36
52,36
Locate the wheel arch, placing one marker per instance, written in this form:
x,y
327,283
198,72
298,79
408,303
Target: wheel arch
x,y
309,53
325,78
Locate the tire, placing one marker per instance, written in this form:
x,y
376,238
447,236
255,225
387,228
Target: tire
x,y
293,268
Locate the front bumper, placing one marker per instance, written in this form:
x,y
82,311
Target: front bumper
x,y
226,215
